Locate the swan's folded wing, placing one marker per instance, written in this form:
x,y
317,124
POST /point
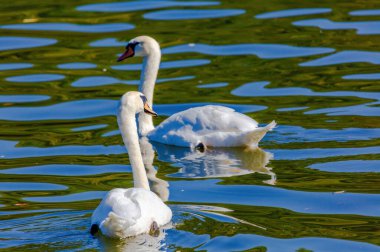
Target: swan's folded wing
x,y
187,127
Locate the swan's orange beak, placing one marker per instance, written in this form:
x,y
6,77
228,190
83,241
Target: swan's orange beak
x,y
149,111
129,52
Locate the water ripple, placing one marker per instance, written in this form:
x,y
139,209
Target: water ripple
x,y
95,107
68,27
264,51
165,64
349,166
77,65
258,89
68,170
23,98
375,12
140,5
369,76
14,66
12,43
345,57
36,78
361,27
192,14
213,85
245,242
29,186
293,13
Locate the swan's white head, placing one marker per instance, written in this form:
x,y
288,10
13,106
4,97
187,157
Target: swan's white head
x,y
140,46
135,102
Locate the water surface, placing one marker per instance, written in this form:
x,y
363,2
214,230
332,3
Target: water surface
x,y
313,185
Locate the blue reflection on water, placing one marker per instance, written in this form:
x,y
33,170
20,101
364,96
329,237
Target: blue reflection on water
x,y
264,51
293,13
87,28
29,186
12,43
207,191
165,64
192,14
14,66
140,5
68,170
362,27
77,65
349,166
94,108
369,76
36,78
23,98
345,57
258,89
213,85
374,12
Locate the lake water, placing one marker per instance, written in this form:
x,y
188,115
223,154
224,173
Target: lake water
x,y
313,66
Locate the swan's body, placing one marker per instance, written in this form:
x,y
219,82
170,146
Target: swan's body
x,y
215,126
210,125
129,212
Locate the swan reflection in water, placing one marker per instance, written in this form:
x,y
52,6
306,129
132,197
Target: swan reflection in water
x,y
217,162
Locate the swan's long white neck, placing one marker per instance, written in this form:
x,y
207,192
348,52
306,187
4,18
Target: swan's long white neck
x,y
127,124
148,78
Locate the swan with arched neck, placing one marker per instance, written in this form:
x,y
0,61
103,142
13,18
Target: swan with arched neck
x,y
133,211
210,125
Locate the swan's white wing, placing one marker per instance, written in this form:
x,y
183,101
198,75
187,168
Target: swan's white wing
x,y
129,212
191,126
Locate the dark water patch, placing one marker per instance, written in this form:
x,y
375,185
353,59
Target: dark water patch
x,y
141,5
349,166
370,76
213,85
13,43
345,57
69,27
29,186
94,108
192,14
361,27
293,13
165,64
14,66
68,170
36,78
264,51
375,12
90,127
258,89
23,98
77,65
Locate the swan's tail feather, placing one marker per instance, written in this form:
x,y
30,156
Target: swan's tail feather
x,y
253,137
115,225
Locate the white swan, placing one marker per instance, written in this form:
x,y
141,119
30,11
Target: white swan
x,y
198,127
129,212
